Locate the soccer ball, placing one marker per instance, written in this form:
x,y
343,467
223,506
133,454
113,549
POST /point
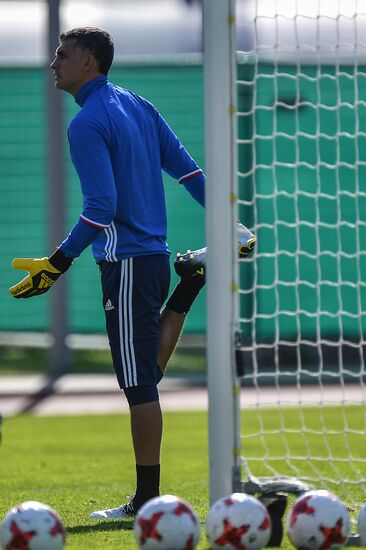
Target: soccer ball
x,y
32,526
361,524
167,522
318,520
238,521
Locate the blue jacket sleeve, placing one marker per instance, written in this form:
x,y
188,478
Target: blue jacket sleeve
x,y
195,185
178,163
90,156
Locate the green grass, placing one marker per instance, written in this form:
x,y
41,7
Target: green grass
x,y
81,463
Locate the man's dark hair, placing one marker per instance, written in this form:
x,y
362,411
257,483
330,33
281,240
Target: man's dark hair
x,y
99,43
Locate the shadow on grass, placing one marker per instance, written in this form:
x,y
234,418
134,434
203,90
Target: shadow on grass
x,y
104,526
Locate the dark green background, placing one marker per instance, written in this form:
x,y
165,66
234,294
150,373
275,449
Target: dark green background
x,y
306,200
177,93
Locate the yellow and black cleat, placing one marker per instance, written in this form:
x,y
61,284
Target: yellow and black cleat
x,y
193,262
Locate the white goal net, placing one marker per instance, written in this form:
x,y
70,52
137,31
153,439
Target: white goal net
x,y
301,167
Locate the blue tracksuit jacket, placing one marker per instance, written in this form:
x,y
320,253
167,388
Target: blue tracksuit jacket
x,y
119,145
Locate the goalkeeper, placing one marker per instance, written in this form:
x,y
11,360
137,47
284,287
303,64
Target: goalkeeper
x,y
119,144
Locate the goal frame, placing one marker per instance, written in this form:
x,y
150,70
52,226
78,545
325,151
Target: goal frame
x,y
222,297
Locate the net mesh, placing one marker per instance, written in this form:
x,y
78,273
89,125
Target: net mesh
x,y
301,184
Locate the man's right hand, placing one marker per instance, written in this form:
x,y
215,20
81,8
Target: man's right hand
x,y
42,273
41,276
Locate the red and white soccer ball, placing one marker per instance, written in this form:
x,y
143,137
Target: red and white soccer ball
x,y
238,521
318,520
32,526
167,522
361,524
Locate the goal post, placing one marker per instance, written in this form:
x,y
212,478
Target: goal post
x,y
291,165
219,71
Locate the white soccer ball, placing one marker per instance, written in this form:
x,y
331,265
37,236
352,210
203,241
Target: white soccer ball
x,y
32,526
167,522
318,520
361,524
238,521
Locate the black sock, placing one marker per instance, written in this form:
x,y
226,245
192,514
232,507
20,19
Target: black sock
x,y
147,484
185,294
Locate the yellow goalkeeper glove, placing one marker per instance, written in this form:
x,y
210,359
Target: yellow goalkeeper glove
x,y
43,272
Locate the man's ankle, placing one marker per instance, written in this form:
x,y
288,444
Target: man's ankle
x,y
185,294
147,484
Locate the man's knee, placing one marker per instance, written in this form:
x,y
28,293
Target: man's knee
x,y
139,395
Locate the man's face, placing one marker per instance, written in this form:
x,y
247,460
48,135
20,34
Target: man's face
x,y
69,67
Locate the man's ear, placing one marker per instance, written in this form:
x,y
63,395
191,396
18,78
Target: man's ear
x,y
90,63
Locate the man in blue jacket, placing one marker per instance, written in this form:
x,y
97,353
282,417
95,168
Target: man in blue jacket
x,y
119,145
